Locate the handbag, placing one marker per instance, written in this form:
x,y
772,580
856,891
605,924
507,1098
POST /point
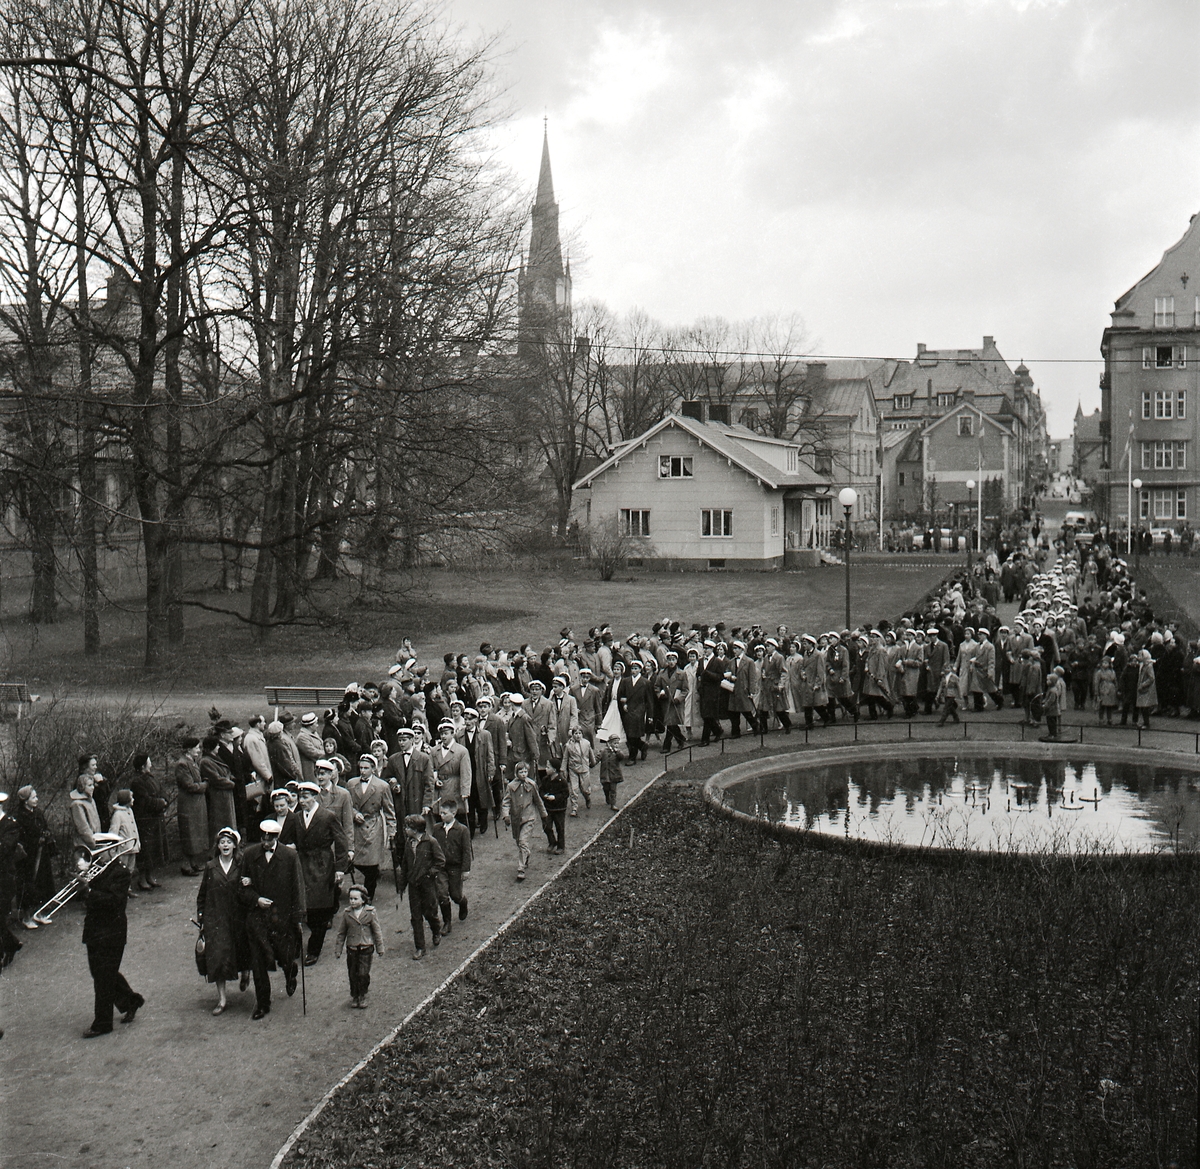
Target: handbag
x,y
201,960
254,789
726,684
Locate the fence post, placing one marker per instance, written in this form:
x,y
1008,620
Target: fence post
x,y
856,730
1139,731
910,728
1081,732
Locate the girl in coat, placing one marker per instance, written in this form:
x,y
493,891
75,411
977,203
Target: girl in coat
x,y
125,826
222,916
37,841
1147,688
1105,685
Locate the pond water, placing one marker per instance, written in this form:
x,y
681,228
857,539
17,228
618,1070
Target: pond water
x,y
985,803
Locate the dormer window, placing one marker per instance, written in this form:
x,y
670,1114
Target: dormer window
x,y
902,402
945,400
675,466
793,459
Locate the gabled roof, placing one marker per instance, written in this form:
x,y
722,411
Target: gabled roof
x,y
967,404
722,440
841,397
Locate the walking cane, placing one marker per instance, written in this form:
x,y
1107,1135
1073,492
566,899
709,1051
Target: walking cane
x,y
303,988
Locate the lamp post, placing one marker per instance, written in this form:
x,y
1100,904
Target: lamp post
x,y
970,541
1136,484
847,497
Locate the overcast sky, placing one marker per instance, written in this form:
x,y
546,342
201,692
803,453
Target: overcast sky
x,y
895,172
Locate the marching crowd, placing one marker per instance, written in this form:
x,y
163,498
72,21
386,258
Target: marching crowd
x,y
283,818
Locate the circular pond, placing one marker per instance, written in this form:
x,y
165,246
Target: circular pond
x,y
984,797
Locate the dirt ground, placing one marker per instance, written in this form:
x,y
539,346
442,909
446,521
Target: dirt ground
x,y
183,1089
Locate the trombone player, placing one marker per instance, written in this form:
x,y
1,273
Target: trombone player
x,y
104,934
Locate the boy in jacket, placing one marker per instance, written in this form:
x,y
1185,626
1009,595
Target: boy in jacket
x,y
522,808
421,862
358,931
455,840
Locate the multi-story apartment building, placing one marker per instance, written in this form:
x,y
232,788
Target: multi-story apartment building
x,y
1149,391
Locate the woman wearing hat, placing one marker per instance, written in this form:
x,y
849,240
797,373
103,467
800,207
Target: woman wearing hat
x,y
221,810
222,916
191,808
37,875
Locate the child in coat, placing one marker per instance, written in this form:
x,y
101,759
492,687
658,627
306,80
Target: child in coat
x,y
949,694
579,757
1055,700
125,826
522,807
610,772
1104,682
358,931
555,795
422,860
455,839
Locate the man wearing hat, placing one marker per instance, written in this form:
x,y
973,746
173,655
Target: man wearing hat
x,y
309,745
566,714
374,821
541,716
589,703
105,929
273,892
451,772
523,740
322,846
477,743
774,688
409,773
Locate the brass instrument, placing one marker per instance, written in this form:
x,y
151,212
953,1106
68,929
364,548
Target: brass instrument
x,y
99,858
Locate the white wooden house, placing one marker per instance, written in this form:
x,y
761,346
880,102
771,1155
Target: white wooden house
x,y
711,495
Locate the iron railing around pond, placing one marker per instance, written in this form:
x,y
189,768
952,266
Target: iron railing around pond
x,y
843,733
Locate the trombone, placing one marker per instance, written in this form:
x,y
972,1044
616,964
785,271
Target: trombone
x,y
99,858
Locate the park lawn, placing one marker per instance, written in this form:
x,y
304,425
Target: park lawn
x,y
449,610
1178,594
692,994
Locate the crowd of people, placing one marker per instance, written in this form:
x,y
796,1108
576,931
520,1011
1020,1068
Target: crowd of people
x,y
282,819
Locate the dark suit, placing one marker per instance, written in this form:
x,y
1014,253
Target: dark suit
x,y
483,769
273,932
322,848
104,933
456,847
408,783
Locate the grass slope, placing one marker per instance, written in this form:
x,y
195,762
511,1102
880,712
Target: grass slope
x,y
690,994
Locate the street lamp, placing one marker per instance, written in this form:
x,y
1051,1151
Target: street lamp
x,y
970,542
1137,540
847,497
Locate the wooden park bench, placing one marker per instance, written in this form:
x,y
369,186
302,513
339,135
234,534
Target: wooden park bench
x,y
311,696
15,693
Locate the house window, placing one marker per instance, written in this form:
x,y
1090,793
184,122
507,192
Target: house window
x,y
1144,506
902,402
1166,501
1181,404
716,522
674,466
774,521
1147,404
1181,505
964,424
635,521
823,464
749,418
1164,456
1164,312
1164,356
793,459
1196,316
1164,404
901,479
945,399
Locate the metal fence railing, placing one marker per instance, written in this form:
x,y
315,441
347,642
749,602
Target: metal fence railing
x,y
843,734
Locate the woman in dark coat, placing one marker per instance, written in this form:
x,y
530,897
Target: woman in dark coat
x,y
633,700
221,811
223,917
191,808
36,875
148,809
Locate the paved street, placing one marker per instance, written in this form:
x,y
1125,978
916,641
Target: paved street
x,y
183,1089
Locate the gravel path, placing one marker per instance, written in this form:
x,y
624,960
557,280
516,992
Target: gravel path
x,y
183,1089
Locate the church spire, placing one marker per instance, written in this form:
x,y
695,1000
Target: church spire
x,y
545,187
544,286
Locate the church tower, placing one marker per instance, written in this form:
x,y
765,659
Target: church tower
x,y
544,283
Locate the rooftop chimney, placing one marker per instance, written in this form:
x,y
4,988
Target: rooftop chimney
x,y
920,347
719,412
815,371
988,342
692,409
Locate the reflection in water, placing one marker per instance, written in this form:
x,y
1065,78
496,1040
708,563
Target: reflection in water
x,y
1025,805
